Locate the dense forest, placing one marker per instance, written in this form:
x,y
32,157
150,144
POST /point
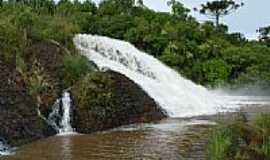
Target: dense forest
x,y
204,52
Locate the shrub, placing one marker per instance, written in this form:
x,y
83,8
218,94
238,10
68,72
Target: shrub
x,y
225,140
220,144
75,67
93,93
263,124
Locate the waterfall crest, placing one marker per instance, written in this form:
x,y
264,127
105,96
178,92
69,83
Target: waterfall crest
x,y
178,96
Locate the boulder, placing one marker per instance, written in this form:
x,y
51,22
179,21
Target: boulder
x,y
107,100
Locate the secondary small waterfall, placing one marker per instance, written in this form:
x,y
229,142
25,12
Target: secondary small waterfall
x,y
65,122
5,149
60,117
178,96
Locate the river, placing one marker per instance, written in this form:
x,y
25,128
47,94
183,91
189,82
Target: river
x,y
168,139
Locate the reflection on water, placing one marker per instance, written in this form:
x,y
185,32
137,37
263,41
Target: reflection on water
x,y
66,148
142,141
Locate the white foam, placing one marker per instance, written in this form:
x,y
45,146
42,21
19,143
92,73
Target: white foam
x,y
178,96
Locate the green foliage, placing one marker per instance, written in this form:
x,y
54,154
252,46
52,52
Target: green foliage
x,y
60,29
178,9
11,39
202,52
36,84
68,8
35,79
112,7
212,72
220,144
225,140
74,68
93,92
265,34
263,125
21,67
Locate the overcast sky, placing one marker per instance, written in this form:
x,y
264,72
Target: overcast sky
x,y
255,14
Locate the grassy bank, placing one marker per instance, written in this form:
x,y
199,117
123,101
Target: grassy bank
x,y
241,140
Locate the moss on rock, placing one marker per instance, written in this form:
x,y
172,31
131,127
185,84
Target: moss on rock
x,y
107,100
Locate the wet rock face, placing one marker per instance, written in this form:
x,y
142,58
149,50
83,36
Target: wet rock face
x,y
101,100
110,100
19,123
47,58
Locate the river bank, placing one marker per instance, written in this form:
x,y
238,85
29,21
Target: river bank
x,y
171,139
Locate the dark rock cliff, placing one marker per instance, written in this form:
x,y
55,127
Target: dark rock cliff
x,y
107,100
101,100
19,122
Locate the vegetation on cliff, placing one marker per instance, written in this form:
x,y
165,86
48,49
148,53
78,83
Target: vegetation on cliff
x,y
38,55
203,52
106,100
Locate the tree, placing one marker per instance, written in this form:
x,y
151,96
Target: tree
x,y
212,72
264,34
218,8
65,8
113,7
140,3
178,9
89,6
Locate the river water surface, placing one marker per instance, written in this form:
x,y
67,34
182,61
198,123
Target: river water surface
x,y
163,140
169,139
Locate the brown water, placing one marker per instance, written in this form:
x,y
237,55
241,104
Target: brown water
x,y
169,139
161,141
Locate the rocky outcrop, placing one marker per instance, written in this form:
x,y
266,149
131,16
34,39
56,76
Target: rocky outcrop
x,y
44,60
108,100
102,100
19,122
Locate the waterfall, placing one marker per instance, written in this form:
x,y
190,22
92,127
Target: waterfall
x,y
5,149
60,117
65,122
178,96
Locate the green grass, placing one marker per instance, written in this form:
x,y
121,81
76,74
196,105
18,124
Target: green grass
x,y
74,67
262,124
228,141
221,142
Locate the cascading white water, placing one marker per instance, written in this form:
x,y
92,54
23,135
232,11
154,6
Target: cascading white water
x,y
60,119
178,96
5,149
2,149
65,122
